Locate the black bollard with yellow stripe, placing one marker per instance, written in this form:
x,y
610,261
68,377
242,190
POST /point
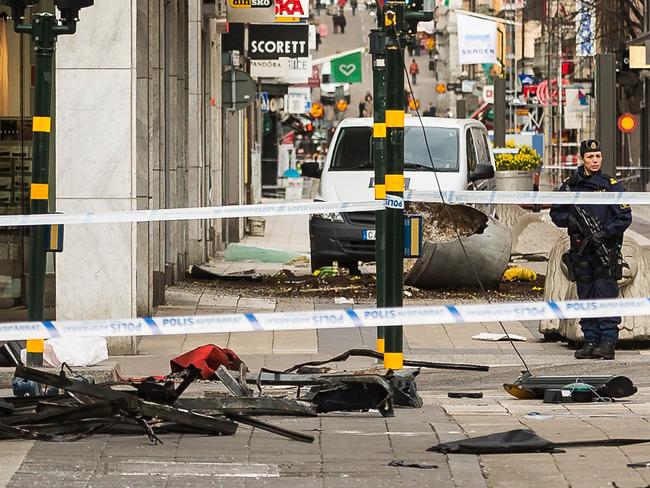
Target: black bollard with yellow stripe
x,y
42,30
377,41
394,179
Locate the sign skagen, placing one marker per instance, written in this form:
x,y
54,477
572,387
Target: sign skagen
x,y
291,9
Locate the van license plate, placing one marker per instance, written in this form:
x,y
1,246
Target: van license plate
x,y
369,235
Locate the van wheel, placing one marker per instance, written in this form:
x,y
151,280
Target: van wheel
x,y
317,264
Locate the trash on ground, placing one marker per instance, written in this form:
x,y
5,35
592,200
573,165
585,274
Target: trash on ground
x,y
68,407
465,394
204,273
399,463
519,273
327,271
529,386
494,337
521,441
328,282
343,301
299,261
206,359
539,416
73,351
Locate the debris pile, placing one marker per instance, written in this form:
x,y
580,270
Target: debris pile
x,y
439,227
75,407
329,285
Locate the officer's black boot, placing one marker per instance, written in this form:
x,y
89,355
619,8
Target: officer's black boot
x,y
605,350
586,351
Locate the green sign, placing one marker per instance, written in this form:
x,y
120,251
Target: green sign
x,y
347,69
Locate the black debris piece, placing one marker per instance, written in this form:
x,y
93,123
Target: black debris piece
x,y
369,353
521,441
398,463
529,386
251,406
465,394
514,441
203,273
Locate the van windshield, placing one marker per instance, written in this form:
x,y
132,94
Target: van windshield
x,y
353,149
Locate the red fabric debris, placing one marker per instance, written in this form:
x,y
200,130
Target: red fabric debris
x,y
206,359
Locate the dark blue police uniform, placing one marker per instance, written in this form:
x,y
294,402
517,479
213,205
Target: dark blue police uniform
x,y
593,279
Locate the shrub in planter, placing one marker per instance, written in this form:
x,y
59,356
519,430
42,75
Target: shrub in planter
x,y
525,160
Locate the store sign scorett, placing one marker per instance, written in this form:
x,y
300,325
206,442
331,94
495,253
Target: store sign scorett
x,y
278,41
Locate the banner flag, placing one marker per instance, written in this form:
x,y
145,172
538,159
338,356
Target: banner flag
x,y
347,69
477,40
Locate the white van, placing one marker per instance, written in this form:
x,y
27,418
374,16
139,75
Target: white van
x,y
461,155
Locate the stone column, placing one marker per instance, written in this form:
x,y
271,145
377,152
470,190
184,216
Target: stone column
x,y
96,163
195,131
216,127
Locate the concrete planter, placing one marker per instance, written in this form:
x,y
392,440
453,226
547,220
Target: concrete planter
x,y
634,284
444,264
514,180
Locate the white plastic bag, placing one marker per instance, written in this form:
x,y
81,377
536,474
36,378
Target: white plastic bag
x,y
75,351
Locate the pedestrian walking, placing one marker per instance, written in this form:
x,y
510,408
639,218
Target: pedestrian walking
x,y
594,261
342,22
367,105
354,4
414,69
322,30
362,108
431,111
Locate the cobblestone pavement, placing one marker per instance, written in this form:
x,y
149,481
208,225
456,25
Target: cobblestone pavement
x,y
355,449
349,450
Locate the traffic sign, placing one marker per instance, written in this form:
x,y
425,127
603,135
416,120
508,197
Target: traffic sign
x,y
488,94
627,123
238,89
264,101
317,110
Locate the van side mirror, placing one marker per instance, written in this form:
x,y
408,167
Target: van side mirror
x,y
311,169
482,172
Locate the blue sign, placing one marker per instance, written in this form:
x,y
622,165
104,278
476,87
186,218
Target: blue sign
x,y
264,101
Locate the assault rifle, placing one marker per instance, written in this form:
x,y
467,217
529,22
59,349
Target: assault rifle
x,y
588,225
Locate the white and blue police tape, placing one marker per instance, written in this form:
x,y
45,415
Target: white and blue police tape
x,y
530,197
271,209
196,213
327,319
394,201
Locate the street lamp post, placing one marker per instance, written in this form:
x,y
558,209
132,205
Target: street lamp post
x,y
44,30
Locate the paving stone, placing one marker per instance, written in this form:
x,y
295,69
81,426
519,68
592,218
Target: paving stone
x,y
114,480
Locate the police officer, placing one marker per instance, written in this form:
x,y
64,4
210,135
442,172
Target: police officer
x,y
594,260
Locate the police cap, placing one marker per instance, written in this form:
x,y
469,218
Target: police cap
x,y
590,145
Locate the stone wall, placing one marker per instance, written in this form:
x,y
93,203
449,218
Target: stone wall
x,y
135,130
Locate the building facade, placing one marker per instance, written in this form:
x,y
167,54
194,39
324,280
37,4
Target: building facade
x,y
139,125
